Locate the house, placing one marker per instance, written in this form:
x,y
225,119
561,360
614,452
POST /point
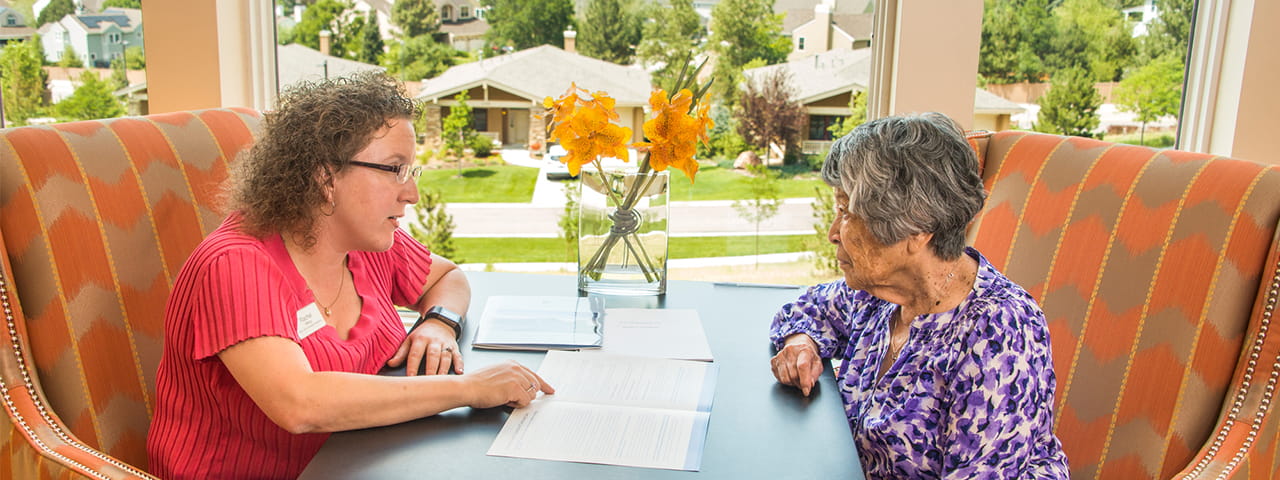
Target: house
x,y
96,38
825,84
505,92
822,28
13,26
1141,16
462,24
296,63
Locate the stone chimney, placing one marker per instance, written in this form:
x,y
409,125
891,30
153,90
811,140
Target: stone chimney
x,y
324,41
570,41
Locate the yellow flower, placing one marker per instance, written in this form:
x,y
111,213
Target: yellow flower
x,y
583,127
673,134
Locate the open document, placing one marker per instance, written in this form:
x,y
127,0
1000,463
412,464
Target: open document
x,y
615,410
663,333
540,323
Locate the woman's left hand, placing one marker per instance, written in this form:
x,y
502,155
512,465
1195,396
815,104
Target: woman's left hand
x,y
431,345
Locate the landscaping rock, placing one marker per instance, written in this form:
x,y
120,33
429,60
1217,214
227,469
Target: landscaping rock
x,y
746,159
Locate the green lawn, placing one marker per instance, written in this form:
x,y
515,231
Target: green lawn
x,y
518,250
488,184
722,182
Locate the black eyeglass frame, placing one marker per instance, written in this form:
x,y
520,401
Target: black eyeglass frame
x,y
408,171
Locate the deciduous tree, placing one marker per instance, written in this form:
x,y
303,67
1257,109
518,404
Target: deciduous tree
x,y
1070,107
1091,34
415,17
742,31
54,11
324,15
671,32
1153,91
522,24
458,131
92,99
1170,32
1015,38
857,116
419,58
610,31
762,200
23,81
768,113
824,213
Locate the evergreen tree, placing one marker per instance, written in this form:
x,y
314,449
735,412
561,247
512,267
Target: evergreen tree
x,y
1153,91
415,17
1070,107
1091,34
69,58
762,200
675,31
119,76
23,81
1015,37
610,31
742,31
369,47
1169,34
92,99
457,129
824,214
433,226
420,58
522,24
324,15
54,11
768,113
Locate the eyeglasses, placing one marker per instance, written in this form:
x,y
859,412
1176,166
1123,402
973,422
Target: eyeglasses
x,y
402,171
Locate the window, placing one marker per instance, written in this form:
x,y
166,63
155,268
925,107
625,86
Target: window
x,y
464,12
446,13
480,119
10,21
820,126
801,44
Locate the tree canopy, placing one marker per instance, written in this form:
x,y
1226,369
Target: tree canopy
x,y
324,15
23,81
54,11
768,113
610,30
522,24
1152,91
1070,106
366,45
668,37
415,17
92,99
122,4
419,58
742,31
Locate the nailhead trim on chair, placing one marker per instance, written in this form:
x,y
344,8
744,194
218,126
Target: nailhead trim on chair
x,y
1267,394
31,392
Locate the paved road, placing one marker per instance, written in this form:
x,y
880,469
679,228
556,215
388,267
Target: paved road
x,y
539,217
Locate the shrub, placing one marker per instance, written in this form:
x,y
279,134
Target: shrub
x,y
481,145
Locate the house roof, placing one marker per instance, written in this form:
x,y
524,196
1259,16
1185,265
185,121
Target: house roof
x,y
297,63
825,74
126,19
838,71
540,72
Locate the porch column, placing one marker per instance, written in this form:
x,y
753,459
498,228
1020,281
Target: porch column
x,y
537,127
431,126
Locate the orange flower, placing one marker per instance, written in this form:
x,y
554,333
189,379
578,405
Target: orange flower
x,y
583,127
673,134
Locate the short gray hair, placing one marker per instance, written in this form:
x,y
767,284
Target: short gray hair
x,y
909,174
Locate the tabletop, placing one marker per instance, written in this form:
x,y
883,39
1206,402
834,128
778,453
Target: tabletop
x,y
758,429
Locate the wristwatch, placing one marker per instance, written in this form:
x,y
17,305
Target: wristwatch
x,y
448,317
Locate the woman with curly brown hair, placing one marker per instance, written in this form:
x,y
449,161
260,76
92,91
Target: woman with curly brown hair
x,y
280,317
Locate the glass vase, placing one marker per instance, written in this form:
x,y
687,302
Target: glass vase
x,y
622,232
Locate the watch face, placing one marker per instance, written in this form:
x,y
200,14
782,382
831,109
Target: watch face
x,y
445,314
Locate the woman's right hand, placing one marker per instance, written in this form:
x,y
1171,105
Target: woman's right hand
x,y
507,383
798,363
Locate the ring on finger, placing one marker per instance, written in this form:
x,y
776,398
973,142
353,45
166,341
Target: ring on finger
x,y
533,387
448,349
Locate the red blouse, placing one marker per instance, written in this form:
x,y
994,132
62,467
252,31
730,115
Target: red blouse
x,y
235,287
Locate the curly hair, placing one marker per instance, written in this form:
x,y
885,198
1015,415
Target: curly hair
x,y
909,174
317,127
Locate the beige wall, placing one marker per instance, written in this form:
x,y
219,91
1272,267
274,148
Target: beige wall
x,y
1257,119
929,60
182,55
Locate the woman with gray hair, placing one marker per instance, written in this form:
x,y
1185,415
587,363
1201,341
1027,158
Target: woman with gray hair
x,y
944,364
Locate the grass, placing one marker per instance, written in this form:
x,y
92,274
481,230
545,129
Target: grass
x,y
522,250
722,182
487,184
792,273
1151,139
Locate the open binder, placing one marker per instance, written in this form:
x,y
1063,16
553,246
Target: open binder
x,y
541,323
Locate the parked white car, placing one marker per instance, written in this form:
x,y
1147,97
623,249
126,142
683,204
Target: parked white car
x,y
557,170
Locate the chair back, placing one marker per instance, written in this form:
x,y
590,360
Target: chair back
x,y
96,219
1153,268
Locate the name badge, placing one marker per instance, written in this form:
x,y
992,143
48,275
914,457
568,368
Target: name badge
x,y
309,320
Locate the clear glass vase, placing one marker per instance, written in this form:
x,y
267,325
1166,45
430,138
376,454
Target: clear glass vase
x,y
622,232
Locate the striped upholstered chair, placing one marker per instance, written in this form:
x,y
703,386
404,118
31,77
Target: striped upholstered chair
x,y
1157,272
96,218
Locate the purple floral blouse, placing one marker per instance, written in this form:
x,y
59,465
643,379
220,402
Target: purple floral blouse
x,y
970,396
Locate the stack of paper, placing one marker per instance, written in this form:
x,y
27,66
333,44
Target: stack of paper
x,y
615,410
664,333
540,323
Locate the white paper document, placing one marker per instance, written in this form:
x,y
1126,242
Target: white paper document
x,y
662,333
615,410
540,323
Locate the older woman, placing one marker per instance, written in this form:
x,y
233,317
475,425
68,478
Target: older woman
x,y
944,363
280,316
